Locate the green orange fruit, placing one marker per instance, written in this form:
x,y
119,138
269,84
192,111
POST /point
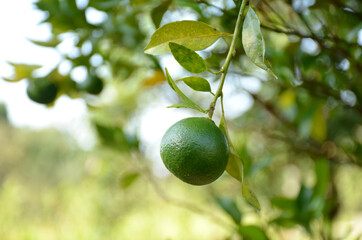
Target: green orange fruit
x,y
195,150
41,90
93,85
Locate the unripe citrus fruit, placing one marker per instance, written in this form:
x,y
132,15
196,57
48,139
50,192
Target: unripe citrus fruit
x,y
93,85
41,90
195,150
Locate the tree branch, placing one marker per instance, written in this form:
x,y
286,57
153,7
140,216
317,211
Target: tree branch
x,y
231,52
311,147
301,35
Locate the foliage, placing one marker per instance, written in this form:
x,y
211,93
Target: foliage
x,y
51,189
306,115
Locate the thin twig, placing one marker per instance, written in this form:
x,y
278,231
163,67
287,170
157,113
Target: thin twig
x,y
230,54
276,13
231,14
301,35
311,147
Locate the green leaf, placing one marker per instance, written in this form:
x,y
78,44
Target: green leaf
x,y
284,12
222,126
128,179
21,71
158,12
319,125
252,233
188,102
322,172
184,105
253,41
197,83
270,69
187,58
50,43
230,207
250,196
191,34
308,207
304,198
235,166
190,4
284,221
104,5
284,203
115,137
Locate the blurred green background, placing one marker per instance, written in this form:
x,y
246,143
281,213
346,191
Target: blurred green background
x,y
300,136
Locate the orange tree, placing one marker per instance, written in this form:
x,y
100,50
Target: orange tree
x,y
305,56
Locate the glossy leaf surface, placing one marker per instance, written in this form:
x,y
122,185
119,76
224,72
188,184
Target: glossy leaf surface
x,y
187,58
191,34
196,83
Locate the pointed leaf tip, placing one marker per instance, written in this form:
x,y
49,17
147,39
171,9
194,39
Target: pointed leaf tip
x,y
253,42
250,197
187,58
188,102
196,83
158,12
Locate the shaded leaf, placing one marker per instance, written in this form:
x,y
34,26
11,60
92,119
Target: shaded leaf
x,y
286,222
308,208
50,43
191,34
191,4
128,179
21,71
104,5
235,166
304,198
305,119
183,105
222,126
158,12
270,69
253,41
319,126
284,203
252,233
230,207
114,136
187,58
188,102
322,172
196,83
288,14
250,196
287,99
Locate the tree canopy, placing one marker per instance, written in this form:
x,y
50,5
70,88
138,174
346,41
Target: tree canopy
x,y
298,63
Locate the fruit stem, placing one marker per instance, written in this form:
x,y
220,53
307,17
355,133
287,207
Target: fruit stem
x,y
231,52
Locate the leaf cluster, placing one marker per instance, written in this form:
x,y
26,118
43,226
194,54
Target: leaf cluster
x,y
311,114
